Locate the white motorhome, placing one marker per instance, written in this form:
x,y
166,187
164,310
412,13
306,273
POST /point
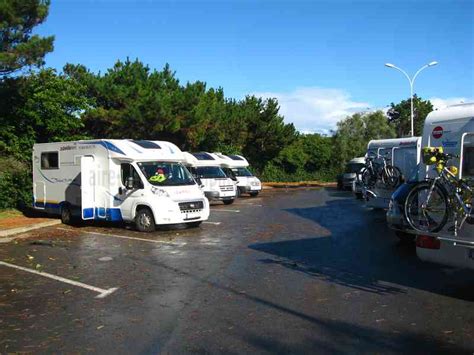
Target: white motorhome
x,y
236,166
352,175
453,129
117,180
206,167
403,153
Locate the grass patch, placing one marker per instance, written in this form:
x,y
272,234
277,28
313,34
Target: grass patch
x,y
8,213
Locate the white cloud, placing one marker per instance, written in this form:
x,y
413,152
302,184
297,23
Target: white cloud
x,y
315,110
442,103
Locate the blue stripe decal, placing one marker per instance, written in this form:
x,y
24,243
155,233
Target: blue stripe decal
x,y
107,145
111,214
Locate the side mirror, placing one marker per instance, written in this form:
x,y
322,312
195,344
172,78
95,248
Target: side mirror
x,y
130,183
198,181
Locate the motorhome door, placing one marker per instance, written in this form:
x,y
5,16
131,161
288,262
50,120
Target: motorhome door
x,y
87,187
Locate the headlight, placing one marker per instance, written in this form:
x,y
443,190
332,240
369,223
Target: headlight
x,y
160,192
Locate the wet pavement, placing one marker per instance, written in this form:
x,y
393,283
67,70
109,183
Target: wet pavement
x,y
292,271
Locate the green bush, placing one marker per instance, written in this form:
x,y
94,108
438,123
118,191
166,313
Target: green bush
x,y
15,184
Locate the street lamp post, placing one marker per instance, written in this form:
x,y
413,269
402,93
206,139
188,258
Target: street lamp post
x,y
411,81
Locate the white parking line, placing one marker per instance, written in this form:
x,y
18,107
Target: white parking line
x,y
101,292
131,238
214,223
222,210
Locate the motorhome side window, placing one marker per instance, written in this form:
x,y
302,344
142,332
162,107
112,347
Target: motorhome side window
x,y
468,157
129,171
49,160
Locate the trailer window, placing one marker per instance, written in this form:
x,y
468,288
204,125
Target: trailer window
x,y
49,160
129,171
468,157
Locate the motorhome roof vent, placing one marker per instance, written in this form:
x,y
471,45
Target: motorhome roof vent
x,y
146,144
202,156
235,157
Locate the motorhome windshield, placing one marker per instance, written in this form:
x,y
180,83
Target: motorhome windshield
x,y
166,174
241,172
209,172
354,167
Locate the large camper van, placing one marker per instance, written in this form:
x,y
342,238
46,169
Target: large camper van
x,y
236,166
402,153
206,167
453,129
117,180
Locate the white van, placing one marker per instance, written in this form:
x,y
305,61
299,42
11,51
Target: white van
x,y
403,153
117,180
453,129
236,166
352,175
206,167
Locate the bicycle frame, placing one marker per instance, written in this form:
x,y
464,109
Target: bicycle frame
x,y
452,185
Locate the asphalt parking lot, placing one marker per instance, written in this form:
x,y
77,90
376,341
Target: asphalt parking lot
x,y
291,271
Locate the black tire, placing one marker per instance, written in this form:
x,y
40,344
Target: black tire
x,y
193,224
228,202
368,179
424,221
253,194
404,237
144,220
66,215
391,176
238,193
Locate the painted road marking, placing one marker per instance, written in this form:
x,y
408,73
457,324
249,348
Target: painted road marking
x,y
132,238
222,210
214,223
101,292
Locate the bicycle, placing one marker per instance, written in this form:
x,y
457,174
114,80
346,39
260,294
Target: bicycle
x,y
390,175
431,202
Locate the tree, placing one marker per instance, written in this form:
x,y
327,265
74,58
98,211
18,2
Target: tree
x,y
354,133
42,107
399,115
19,47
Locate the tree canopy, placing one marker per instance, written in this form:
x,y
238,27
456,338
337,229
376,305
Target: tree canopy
x,y
19,47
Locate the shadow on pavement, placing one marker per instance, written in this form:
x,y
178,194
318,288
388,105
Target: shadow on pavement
x,y
358,253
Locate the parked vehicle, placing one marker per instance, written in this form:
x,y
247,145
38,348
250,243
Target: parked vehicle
x,y
432,202
453,130
396,159
206,167
352,173
236,167
117,180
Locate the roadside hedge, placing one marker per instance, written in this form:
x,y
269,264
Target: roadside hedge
x,y
15,184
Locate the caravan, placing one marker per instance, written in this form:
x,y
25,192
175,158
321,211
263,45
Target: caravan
x,y
403,154
206,168
117,180
236,166
453,129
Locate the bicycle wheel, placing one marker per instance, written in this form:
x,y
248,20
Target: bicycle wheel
x,y
367,178
426,210
391,176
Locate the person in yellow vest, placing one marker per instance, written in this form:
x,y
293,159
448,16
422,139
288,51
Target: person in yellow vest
x,y
158,177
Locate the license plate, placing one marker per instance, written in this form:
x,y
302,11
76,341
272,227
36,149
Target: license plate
x,y
192,215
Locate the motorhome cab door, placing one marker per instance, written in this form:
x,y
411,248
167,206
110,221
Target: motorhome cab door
x,y
88,179
130,194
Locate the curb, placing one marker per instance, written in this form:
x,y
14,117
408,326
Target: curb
x,y
14,231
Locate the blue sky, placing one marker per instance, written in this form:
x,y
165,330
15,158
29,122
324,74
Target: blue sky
x,y
321,59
